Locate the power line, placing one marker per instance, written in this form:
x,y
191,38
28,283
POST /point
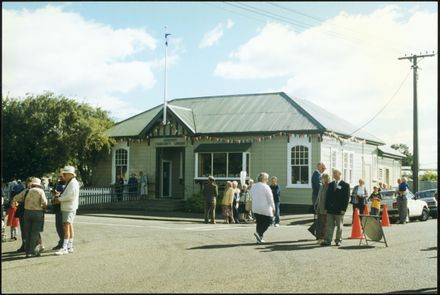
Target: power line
x,y
383,108
236,12
354,40
285,19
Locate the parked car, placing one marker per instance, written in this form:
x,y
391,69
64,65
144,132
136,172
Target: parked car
x,y
417,209
428,197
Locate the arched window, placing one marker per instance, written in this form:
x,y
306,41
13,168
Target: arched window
x,y
299,161
121,163
299,164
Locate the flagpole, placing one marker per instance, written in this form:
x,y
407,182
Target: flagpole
x,y
165,81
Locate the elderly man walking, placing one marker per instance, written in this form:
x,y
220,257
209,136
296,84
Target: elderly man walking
x,y
210,190
69,200
263,205
336,203
35,202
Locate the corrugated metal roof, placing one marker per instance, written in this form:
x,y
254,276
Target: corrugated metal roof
x,y
334,123
266,112
245,113
134,125
388,150
186,115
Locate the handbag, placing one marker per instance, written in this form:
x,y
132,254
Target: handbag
x,y
312,228
20,208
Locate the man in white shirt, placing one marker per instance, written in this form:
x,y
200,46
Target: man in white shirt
x,y
263,205
69,200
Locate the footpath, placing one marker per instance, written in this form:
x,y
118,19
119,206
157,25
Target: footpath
x,y
178,216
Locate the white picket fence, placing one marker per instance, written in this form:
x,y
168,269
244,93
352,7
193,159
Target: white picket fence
x,y
95,195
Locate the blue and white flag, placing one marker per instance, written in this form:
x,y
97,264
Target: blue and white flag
x,y
166,38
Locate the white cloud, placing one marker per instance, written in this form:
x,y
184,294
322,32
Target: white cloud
x,y
212,37
349,66
51,49
229,24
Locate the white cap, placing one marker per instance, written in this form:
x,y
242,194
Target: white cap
x,y
69,169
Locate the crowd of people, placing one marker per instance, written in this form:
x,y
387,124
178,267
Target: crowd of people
x,y
27,203
331,196
136,185
255,202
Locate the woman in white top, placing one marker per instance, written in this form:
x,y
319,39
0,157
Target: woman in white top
x,y
359,196
263,205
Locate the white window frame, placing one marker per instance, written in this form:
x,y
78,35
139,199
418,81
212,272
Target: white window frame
x,y
243,167
349,155
117,146
295,141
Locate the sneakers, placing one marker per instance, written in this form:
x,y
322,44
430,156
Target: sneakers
x,y
62,251
70,250
39,249
277,224
337,243
57,247
259,239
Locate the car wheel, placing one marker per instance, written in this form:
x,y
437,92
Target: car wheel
x,y
425,215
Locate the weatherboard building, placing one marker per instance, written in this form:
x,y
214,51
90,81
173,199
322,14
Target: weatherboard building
x,y
224,135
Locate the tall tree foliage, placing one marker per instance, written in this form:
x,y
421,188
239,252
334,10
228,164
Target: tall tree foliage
x,y
404,149
42,133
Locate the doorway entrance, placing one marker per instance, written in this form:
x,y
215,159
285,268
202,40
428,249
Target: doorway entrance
x,y
166,179
170,167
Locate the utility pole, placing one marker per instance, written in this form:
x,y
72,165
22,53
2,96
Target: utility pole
x,y
415,168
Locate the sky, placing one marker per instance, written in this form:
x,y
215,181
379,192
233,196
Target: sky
x,y
342,56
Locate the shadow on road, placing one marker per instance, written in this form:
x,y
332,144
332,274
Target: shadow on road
x,y
293,247
429,249
222,246
356,247
432,290
301,222
12,257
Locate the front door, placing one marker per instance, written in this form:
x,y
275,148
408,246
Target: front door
x,y
166,179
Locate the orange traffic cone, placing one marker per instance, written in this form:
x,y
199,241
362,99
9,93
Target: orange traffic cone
x,y
385,218
356,227
366,210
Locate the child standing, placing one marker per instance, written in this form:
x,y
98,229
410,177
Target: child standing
x,y
376,198
13,221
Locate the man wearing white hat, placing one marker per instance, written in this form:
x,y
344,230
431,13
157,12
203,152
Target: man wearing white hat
x,y
35,202
69,200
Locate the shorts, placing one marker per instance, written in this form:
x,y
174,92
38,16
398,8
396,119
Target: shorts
x,y
68,216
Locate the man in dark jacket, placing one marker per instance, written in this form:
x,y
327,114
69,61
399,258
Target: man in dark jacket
x,y
210,190
56,208
337,197
316,182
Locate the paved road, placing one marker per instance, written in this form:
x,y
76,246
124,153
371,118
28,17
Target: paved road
x,y
116,254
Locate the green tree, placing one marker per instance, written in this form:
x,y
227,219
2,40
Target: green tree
x,y
429,176
404,149
42,133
